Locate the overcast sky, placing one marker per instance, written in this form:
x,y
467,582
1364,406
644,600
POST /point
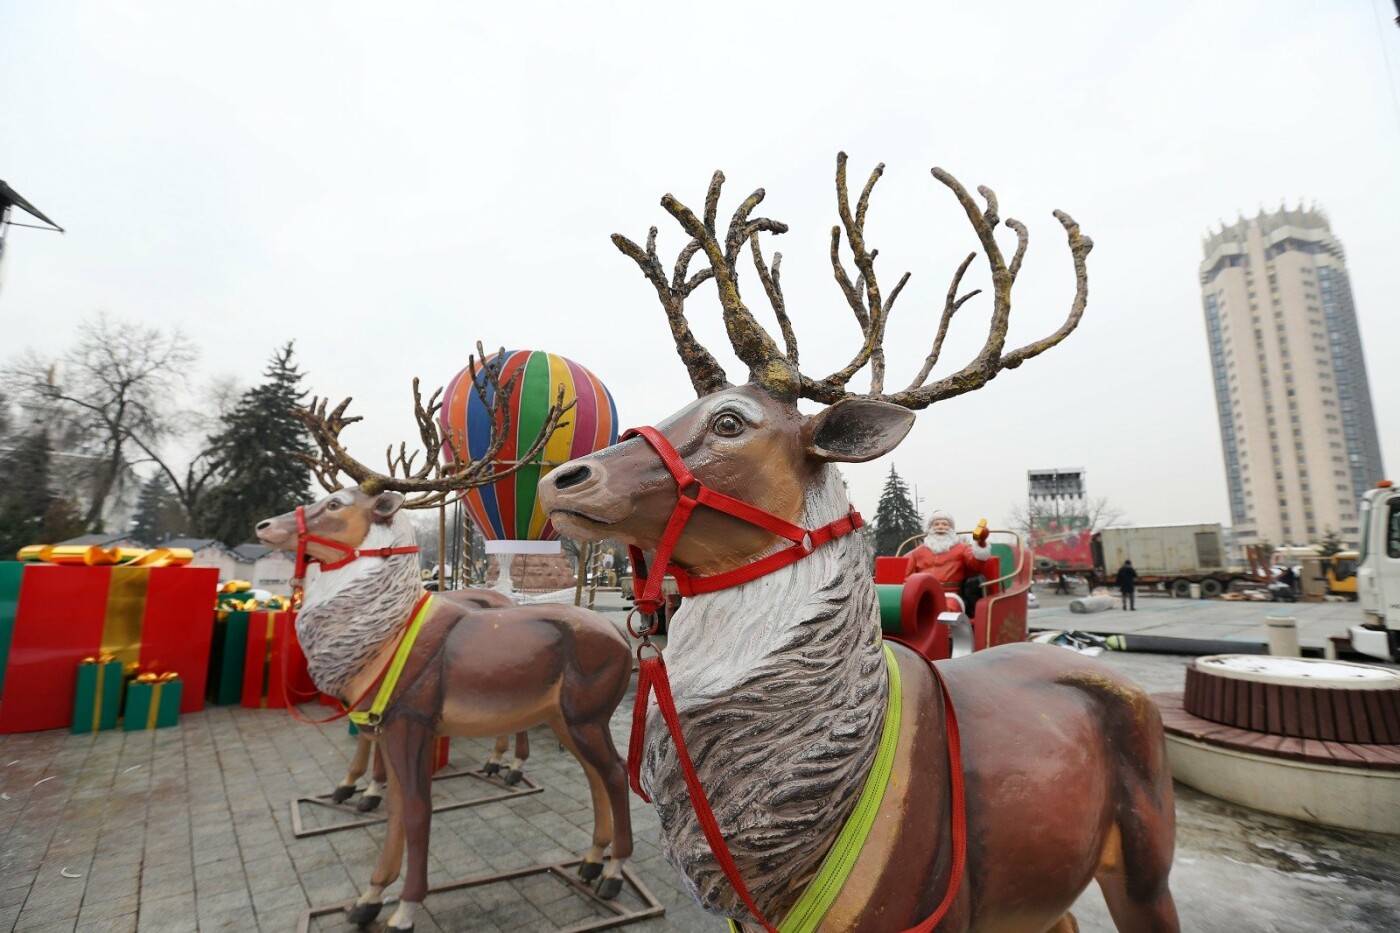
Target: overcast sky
x,y
388,183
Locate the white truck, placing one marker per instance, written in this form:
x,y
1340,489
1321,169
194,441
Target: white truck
x,y
1378,575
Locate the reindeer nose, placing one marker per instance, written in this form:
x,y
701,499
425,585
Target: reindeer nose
x,y
563,479
263,525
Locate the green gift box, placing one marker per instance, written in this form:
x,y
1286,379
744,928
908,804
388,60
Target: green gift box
x,y
152,703
98,695
225,681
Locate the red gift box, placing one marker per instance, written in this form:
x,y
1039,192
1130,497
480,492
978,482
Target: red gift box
x,y
274,668
157,618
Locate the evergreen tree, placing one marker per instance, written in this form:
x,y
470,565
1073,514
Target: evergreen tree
x,y
25,495
158,512
255,455
1331,543
896,519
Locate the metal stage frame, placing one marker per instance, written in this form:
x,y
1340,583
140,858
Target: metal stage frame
x,y
621,916
525,788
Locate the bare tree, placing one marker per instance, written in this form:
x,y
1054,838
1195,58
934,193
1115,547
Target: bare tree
x,y
117,390
1034,518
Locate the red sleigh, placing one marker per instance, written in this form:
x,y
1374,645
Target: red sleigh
x,y
917,612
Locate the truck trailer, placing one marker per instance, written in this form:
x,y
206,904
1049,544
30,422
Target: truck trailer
x,y
1174,556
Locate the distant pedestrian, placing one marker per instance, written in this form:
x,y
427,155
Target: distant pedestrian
x,y
1127,585
1061,584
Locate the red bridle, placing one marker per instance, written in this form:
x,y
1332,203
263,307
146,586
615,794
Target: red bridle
x,y
647,590
303,559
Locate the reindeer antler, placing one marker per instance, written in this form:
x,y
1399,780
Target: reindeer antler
x,y
778,371
432,482
750,341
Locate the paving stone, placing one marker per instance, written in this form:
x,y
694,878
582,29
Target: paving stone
x,y
126,923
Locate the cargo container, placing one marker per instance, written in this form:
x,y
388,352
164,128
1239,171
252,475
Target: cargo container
x,y
1173,556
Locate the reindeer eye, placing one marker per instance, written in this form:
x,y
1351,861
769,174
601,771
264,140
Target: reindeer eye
x,y
333,505
728,424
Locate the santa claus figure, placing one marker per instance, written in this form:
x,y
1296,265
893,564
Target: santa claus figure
x,y
958,563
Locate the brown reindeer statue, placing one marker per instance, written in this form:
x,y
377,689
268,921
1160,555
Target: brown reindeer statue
x,y
415,666
786,697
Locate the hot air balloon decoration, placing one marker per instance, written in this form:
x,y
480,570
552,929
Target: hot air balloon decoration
x,y
508,512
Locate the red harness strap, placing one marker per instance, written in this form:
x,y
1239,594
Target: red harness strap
x,y
374,684
646,590
304,559
652,677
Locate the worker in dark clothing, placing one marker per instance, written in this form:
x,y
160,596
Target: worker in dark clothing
x,y
1127,585
1061,584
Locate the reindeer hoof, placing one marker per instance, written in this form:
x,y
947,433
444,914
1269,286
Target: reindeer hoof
x,y
342,793
513,776
362,915
490,768
368,803
609,888
589,871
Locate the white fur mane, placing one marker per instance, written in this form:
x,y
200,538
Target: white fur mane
x,y
347,614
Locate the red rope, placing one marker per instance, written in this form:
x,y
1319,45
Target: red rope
x,y
652,678
345,710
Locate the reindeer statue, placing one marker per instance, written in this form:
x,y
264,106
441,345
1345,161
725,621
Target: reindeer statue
x,y
776,697
414,666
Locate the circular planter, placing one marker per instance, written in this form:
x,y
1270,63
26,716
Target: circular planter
x,y
1308,699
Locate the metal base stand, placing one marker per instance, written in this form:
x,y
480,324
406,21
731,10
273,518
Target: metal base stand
x,y
505,791
563,871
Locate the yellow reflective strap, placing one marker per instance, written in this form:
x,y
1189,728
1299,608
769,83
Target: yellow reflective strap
x,y
369,718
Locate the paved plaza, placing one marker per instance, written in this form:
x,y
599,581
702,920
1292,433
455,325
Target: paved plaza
x,y
191,828
1160,615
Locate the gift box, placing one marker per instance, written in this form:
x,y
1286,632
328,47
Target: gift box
x,y
274,667
98,695
152,702
10,574
155,619
227,652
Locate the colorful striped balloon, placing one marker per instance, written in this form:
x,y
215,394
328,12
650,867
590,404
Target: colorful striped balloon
x,y
508,510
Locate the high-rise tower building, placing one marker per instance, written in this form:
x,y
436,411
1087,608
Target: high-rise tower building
x,y
1296,422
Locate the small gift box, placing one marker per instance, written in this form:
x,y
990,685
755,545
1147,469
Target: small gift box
x,y
152,702
274,667
98,694
226,656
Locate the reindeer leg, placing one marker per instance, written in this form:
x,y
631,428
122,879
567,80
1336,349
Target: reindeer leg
x,y
591,743
410,753
374,793
493,764
358,765
1066,924
1133,876
386,872
522,751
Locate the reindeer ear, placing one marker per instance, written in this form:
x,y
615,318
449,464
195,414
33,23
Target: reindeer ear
x,y
855,430
386,505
